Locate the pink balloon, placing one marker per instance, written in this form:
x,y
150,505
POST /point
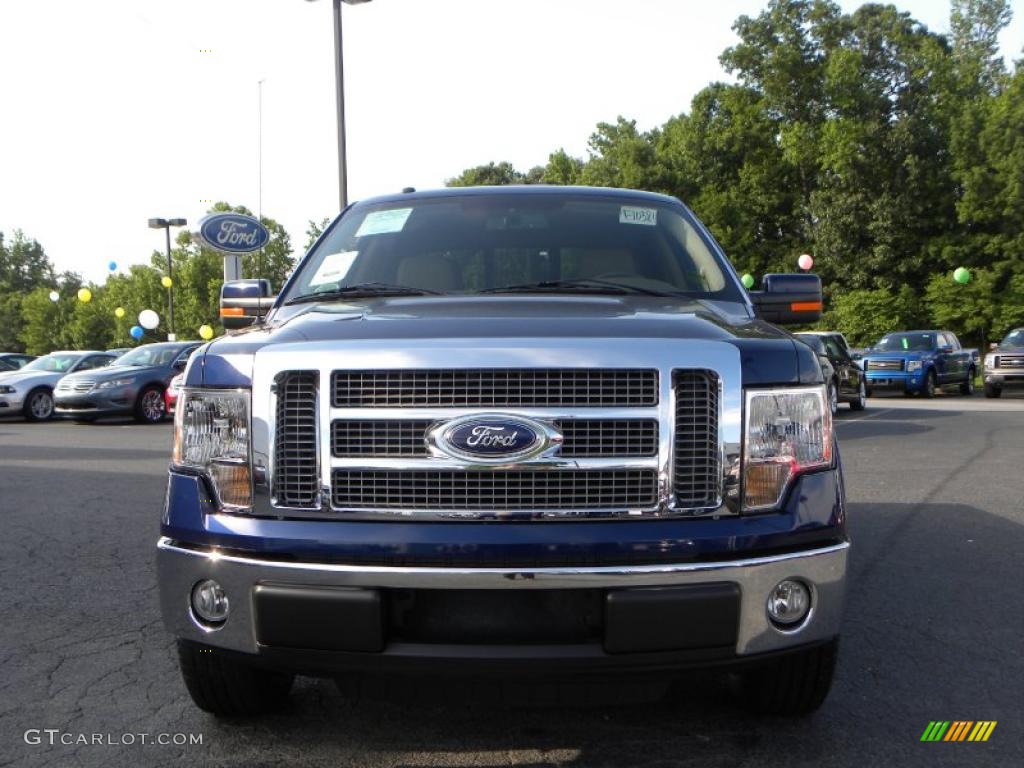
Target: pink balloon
x,y
805,262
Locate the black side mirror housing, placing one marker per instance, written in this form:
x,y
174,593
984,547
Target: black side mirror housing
x,y
789,299
244,302
945,350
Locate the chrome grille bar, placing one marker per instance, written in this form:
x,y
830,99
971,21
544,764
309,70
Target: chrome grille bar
x,y
296,476
697,469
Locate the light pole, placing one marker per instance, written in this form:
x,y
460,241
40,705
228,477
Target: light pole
x,y
339,86
165,225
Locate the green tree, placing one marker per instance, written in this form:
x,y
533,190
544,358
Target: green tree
x,y
24,266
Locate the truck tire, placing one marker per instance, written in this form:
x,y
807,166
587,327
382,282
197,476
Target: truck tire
x,y
862,398
991,391
38,405
794,684
967,386
225,687
930,385
149,406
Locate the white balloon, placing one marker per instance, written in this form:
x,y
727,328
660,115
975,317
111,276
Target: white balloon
x,y
54,296
149,319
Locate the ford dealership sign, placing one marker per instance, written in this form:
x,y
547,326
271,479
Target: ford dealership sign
x,y
233,233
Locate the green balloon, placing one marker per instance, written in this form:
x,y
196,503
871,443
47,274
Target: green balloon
x,y
747,280
962,275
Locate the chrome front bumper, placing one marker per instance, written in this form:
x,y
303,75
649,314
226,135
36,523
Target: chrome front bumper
x,y
824,570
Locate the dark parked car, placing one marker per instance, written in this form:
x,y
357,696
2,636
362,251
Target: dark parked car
x,y
133,384
12,361
842,373
30,388
1004,365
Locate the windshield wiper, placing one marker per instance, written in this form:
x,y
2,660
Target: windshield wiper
x,y
360,290
581,285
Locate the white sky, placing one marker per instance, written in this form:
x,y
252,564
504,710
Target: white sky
x,y
112,113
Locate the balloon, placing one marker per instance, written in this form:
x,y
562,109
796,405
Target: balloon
x,y
54,296
136,332
119,312
84,295
149,319
962,275
166,282
748,280
805,262
205,332
112,266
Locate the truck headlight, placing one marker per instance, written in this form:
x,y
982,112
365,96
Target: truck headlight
x,y
913,365
990,362
212,435
788,431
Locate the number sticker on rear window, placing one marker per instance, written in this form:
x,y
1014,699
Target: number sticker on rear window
x,y
646,216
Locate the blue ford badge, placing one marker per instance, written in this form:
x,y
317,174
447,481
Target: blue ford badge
x,y
493,439
233,233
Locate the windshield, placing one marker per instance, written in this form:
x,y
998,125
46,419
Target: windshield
x,y
901,342
151,354
56,363
469,244
1014,338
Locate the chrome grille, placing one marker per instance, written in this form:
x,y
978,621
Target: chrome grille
x,y
495,388
495,491
389,438
696,475
1010,361
883,365
82,385
296,480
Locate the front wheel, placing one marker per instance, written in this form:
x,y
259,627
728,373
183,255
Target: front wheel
x,y
794,684
967,387
929,384
862,398
226,687
149,408
38,405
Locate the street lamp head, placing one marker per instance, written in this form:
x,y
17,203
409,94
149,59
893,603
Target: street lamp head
x,y
177,222
157,223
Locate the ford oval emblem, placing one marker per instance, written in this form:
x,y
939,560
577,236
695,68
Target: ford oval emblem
x,y
233,233
493,439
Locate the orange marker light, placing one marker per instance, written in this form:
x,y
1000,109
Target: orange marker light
x,y
805,306
232,312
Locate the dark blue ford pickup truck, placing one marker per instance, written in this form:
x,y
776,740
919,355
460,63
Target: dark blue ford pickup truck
x,y
920,362
530,431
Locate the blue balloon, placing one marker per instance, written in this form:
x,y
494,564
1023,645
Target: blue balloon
x,y
137,332
112,265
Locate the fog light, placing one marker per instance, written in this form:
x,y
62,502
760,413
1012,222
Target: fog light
x,y
210,602
788,602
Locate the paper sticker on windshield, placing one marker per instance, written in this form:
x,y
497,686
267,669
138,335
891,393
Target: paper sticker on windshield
x,y
334,267
384,222
646,216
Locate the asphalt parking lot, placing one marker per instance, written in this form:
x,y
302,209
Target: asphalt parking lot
x,y
934,627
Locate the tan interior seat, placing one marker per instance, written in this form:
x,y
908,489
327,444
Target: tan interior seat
x,y
431,272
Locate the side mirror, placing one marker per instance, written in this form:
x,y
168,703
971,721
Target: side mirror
x,y
244,302
789,299
993,345
179,365
945,350
857,356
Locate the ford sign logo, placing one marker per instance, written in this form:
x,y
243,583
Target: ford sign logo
x,y
233,233
493,439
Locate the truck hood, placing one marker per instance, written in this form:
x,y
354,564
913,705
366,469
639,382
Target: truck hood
x,y
769,355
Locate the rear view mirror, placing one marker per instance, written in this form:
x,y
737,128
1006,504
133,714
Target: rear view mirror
x,y
244,302
789,299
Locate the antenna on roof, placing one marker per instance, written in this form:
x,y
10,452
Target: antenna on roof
x,y
408,190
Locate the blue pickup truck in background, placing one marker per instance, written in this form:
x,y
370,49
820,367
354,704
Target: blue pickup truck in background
x,y
920,361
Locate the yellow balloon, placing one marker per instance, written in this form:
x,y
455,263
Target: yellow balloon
x,y
84,295
205,332
166,282
119,312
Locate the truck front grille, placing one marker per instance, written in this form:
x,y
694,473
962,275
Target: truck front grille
x,y
296,479
697,470
883,365
1010,361
495,490
391,438
495,388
